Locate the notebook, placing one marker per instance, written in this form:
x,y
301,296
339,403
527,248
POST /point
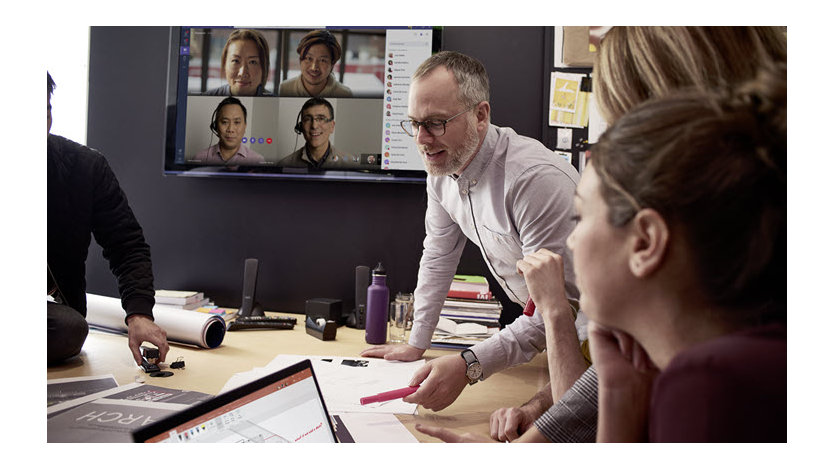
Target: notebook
x,y
285,406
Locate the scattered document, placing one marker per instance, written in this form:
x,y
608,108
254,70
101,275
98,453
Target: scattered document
x,y
106,420
61,390
344,380
111,415
370,428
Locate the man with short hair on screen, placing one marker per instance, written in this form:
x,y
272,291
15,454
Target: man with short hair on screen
x,y
228,123
84,198
316,123
507,193
318,52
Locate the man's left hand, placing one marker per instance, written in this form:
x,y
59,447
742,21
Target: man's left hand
x,y
141,328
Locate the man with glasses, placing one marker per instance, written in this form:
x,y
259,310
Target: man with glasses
x,y
509,195
316,122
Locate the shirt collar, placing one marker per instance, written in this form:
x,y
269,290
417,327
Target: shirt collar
x,y
241,151
311,161
476,168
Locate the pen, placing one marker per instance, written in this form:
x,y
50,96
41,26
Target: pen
x,y
390,395
529,308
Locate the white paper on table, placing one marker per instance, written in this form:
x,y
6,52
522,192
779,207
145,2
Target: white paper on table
x,y
374,427
341,385
181,325
52,410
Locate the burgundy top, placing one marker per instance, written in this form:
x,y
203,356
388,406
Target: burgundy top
x,y
729,389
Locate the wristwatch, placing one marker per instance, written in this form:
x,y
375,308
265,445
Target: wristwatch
x,y
473,367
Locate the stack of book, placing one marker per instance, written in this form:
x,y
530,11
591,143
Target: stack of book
x,y
469,315
189,300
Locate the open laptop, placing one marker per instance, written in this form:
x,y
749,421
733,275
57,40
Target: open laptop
x,y
285,406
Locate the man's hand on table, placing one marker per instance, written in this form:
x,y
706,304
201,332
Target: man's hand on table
x,y
394,352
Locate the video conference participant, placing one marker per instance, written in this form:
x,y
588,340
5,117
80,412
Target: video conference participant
x,y
318,52
316,122
228,123
506,193
84,198
244,64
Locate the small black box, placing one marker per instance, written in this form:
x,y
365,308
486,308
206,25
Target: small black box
x,y
329,309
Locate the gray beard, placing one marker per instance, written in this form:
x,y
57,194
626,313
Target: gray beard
x,y
457,157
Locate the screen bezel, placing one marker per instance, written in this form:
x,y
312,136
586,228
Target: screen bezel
x,y
152,430
176,113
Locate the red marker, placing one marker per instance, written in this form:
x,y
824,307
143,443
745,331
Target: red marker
x,y
390,395
529,308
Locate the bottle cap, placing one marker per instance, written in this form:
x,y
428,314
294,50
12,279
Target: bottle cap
x,y
379,270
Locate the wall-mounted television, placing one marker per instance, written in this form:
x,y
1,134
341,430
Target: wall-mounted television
x,y
320,103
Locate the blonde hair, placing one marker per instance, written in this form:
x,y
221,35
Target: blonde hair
x,y
714,165
636,63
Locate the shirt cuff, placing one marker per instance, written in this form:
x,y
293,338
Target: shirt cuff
x,y
138,305
574,417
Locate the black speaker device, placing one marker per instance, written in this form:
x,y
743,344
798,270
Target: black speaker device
x,y
362,277
248,306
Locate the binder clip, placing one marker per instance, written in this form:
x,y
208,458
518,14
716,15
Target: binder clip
x,y
150,358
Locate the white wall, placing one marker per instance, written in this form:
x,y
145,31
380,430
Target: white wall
x,y
68,60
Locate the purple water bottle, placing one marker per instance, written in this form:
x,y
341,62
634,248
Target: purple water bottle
x,y
376,312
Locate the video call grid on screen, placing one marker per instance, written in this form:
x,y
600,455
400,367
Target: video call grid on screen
x,y
287,410
375,65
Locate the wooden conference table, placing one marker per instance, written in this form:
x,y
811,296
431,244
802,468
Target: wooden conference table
x,y
208,370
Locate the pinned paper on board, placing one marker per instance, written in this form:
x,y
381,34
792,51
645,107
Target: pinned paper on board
x,y
568,105
565,91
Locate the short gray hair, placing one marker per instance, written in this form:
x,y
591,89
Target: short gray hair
x,y
469,73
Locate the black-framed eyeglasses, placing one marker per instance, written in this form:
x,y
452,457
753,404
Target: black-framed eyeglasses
x,y
307,119
435,127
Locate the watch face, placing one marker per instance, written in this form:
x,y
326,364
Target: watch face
x,y
474,371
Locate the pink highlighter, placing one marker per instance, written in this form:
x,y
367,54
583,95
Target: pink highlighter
x,y
529,308
390,395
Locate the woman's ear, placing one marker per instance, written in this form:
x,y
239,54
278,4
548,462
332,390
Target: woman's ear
x,y
649,243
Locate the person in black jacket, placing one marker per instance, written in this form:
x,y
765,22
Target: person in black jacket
x,y
84,198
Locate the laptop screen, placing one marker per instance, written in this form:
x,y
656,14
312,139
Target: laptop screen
x,y
283,407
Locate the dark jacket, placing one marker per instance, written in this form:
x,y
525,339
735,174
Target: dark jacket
x,y
84,199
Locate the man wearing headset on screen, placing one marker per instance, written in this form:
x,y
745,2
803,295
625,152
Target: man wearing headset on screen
x,y
316,123
228,123
318,53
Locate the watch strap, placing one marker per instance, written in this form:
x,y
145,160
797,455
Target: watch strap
x,y
471,361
